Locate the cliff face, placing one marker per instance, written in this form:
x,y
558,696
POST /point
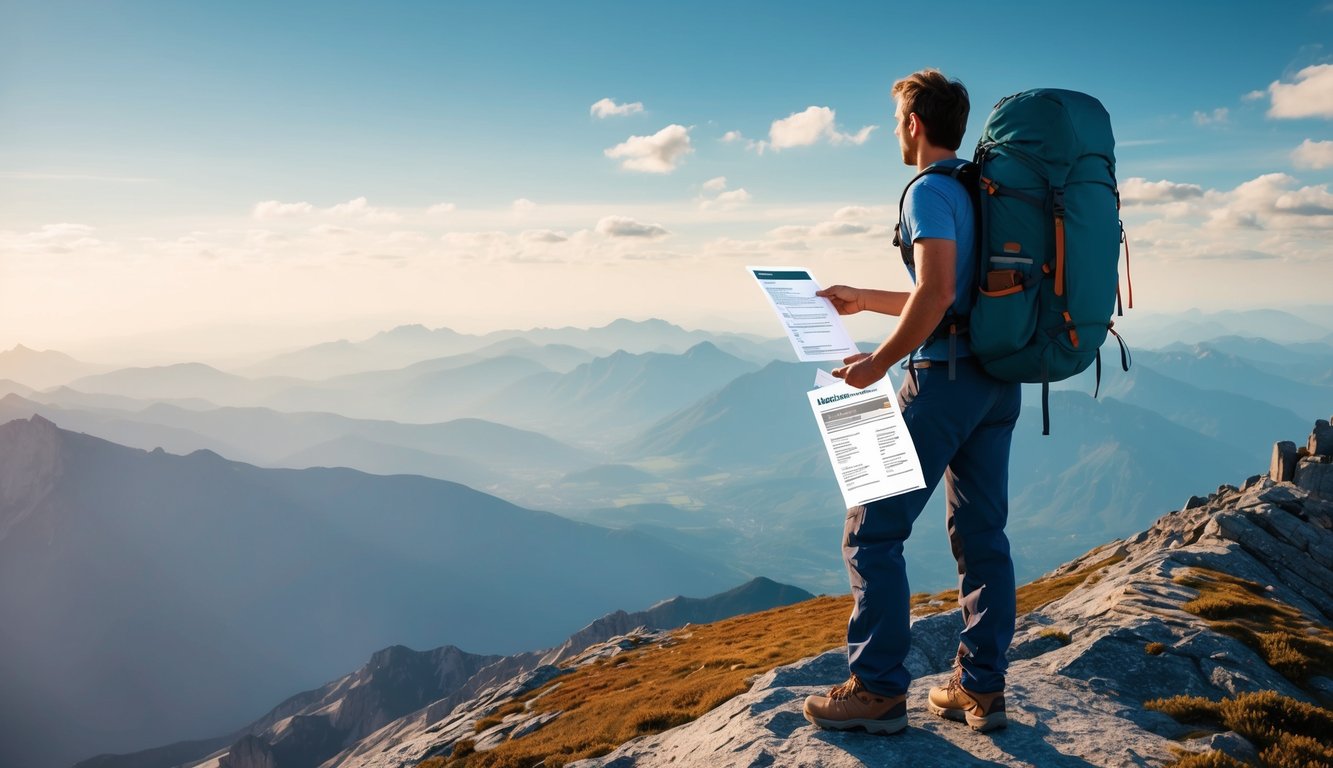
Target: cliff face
x,y
1202,603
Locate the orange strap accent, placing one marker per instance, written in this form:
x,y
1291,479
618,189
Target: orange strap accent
x,y
1128,280
1073,334
1060,256
988,185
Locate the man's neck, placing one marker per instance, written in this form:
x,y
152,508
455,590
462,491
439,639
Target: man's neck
x,y
929,155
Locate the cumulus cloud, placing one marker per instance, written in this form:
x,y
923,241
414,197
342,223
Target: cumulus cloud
x,y
1273,201
440,209
361,208
716,184
732,137
802,129
1218,116
523,206
622,226
852,213
273,209
1138,191
543,236
659,153
1310,95
1316,155
716,196
604,108
839,229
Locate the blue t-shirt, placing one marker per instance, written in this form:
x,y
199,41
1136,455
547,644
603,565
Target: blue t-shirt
x,y
937,206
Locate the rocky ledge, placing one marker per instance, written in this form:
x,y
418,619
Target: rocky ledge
x,y
1130,629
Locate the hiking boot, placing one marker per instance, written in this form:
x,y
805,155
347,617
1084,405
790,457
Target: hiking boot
x,y
850,705
983,711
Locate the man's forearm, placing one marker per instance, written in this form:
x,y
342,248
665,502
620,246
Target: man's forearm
x,y
884,302
921,313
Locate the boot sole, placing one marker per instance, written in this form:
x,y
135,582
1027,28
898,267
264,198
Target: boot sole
x,y
882,727
993,721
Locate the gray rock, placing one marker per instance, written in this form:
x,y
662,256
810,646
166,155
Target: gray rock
x,y
1195,501
1283,466
1321,439
1229,743
1315,476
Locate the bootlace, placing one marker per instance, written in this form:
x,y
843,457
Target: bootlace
x,y
955,683
846,689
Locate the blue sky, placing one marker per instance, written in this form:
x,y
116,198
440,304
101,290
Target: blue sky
x,y
317,168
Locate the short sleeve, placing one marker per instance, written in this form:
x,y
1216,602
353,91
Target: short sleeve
x,y
928,213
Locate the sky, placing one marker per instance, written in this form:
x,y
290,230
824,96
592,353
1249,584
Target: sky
x,y
214,179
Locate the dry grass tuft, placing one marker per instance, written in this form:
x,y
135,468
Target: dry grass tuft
x,y
1059,634
1287,732
1154,649
1290,643
1038,593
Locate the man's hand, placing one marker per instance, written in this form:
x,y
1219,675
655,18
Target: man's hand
x,y
861,370
846,299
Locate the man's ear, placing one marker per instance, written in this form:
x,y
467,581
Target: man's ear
x,y
914,124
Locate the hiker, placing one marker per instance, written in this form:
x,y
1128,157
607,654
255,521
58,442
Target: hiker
x,y
961,421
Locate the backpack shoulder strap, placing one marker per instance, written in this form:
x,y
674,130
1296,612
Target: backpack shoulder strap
x,y
967,173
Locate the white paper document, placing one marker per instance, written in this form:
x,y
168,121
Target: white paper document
x,y
871,450
811,322
823,378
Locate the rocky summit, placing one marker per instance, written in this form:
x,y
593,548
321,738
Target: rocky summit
x,y
1142,621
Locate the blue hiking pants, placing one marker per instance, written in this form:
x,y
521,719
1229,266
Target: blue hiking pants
x,y
961,430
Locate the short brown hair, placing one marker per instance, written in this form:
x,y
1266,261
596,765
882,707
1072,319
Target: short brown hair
x,y
941,103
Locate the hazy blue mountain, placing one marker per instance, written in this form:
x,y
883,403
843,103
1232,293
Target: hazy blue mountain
x,y
66,397
1148,330
117,426
41,369
183,381
410,344
1208,368
152,597
613,396
1305,362
8,386
1246,424
438,392
560,358
1107,469
358,453
753,420
615,475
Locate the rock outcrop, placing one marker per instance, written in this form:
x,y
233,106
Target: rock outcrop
x,y
1083,664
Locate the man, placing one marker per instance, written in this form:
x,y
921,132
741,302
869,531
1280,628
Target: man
x,y
961,421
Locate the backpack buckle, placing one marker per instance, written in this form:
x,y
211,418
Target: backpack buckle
x,y
1058,201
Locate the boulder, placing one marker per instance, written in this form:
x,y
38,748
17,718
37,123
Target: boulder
x,y
1321,439
1316,477
1283,466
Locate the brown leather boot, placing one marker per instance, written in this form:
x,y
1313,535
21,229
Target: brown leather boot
x,y
850,705
983,711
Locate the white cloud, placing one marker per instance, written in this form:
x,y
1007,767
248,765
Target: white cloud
x,y
272,209
1273,202
716,184
1311,95
1254,96
1219,116
802,129
838,229
622,226
852,212
523,206
659,153
791,232
1138,191
440,209
360,208
716,196
604,108
731,137
543,236
1313,154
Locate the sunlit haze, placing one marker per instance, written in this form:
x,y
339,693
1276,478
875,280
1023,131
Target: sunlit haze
x,y
212,180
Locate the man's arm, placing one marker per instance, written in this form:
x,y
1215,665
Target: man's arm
x,y
921,312
848,300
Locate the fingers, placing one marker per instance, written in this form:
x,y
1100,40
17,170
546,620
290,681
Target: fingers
x,y
856,358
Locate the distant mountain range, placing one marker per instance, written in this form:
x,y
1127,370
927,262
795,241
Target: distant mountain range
x,y
158,595
314,726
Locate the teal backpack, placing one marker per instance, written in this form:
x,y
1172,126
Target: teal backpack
x,y
1048,240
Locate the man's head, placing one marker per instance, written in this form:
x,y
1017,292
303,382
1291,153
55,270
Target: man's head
x,y
930,109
